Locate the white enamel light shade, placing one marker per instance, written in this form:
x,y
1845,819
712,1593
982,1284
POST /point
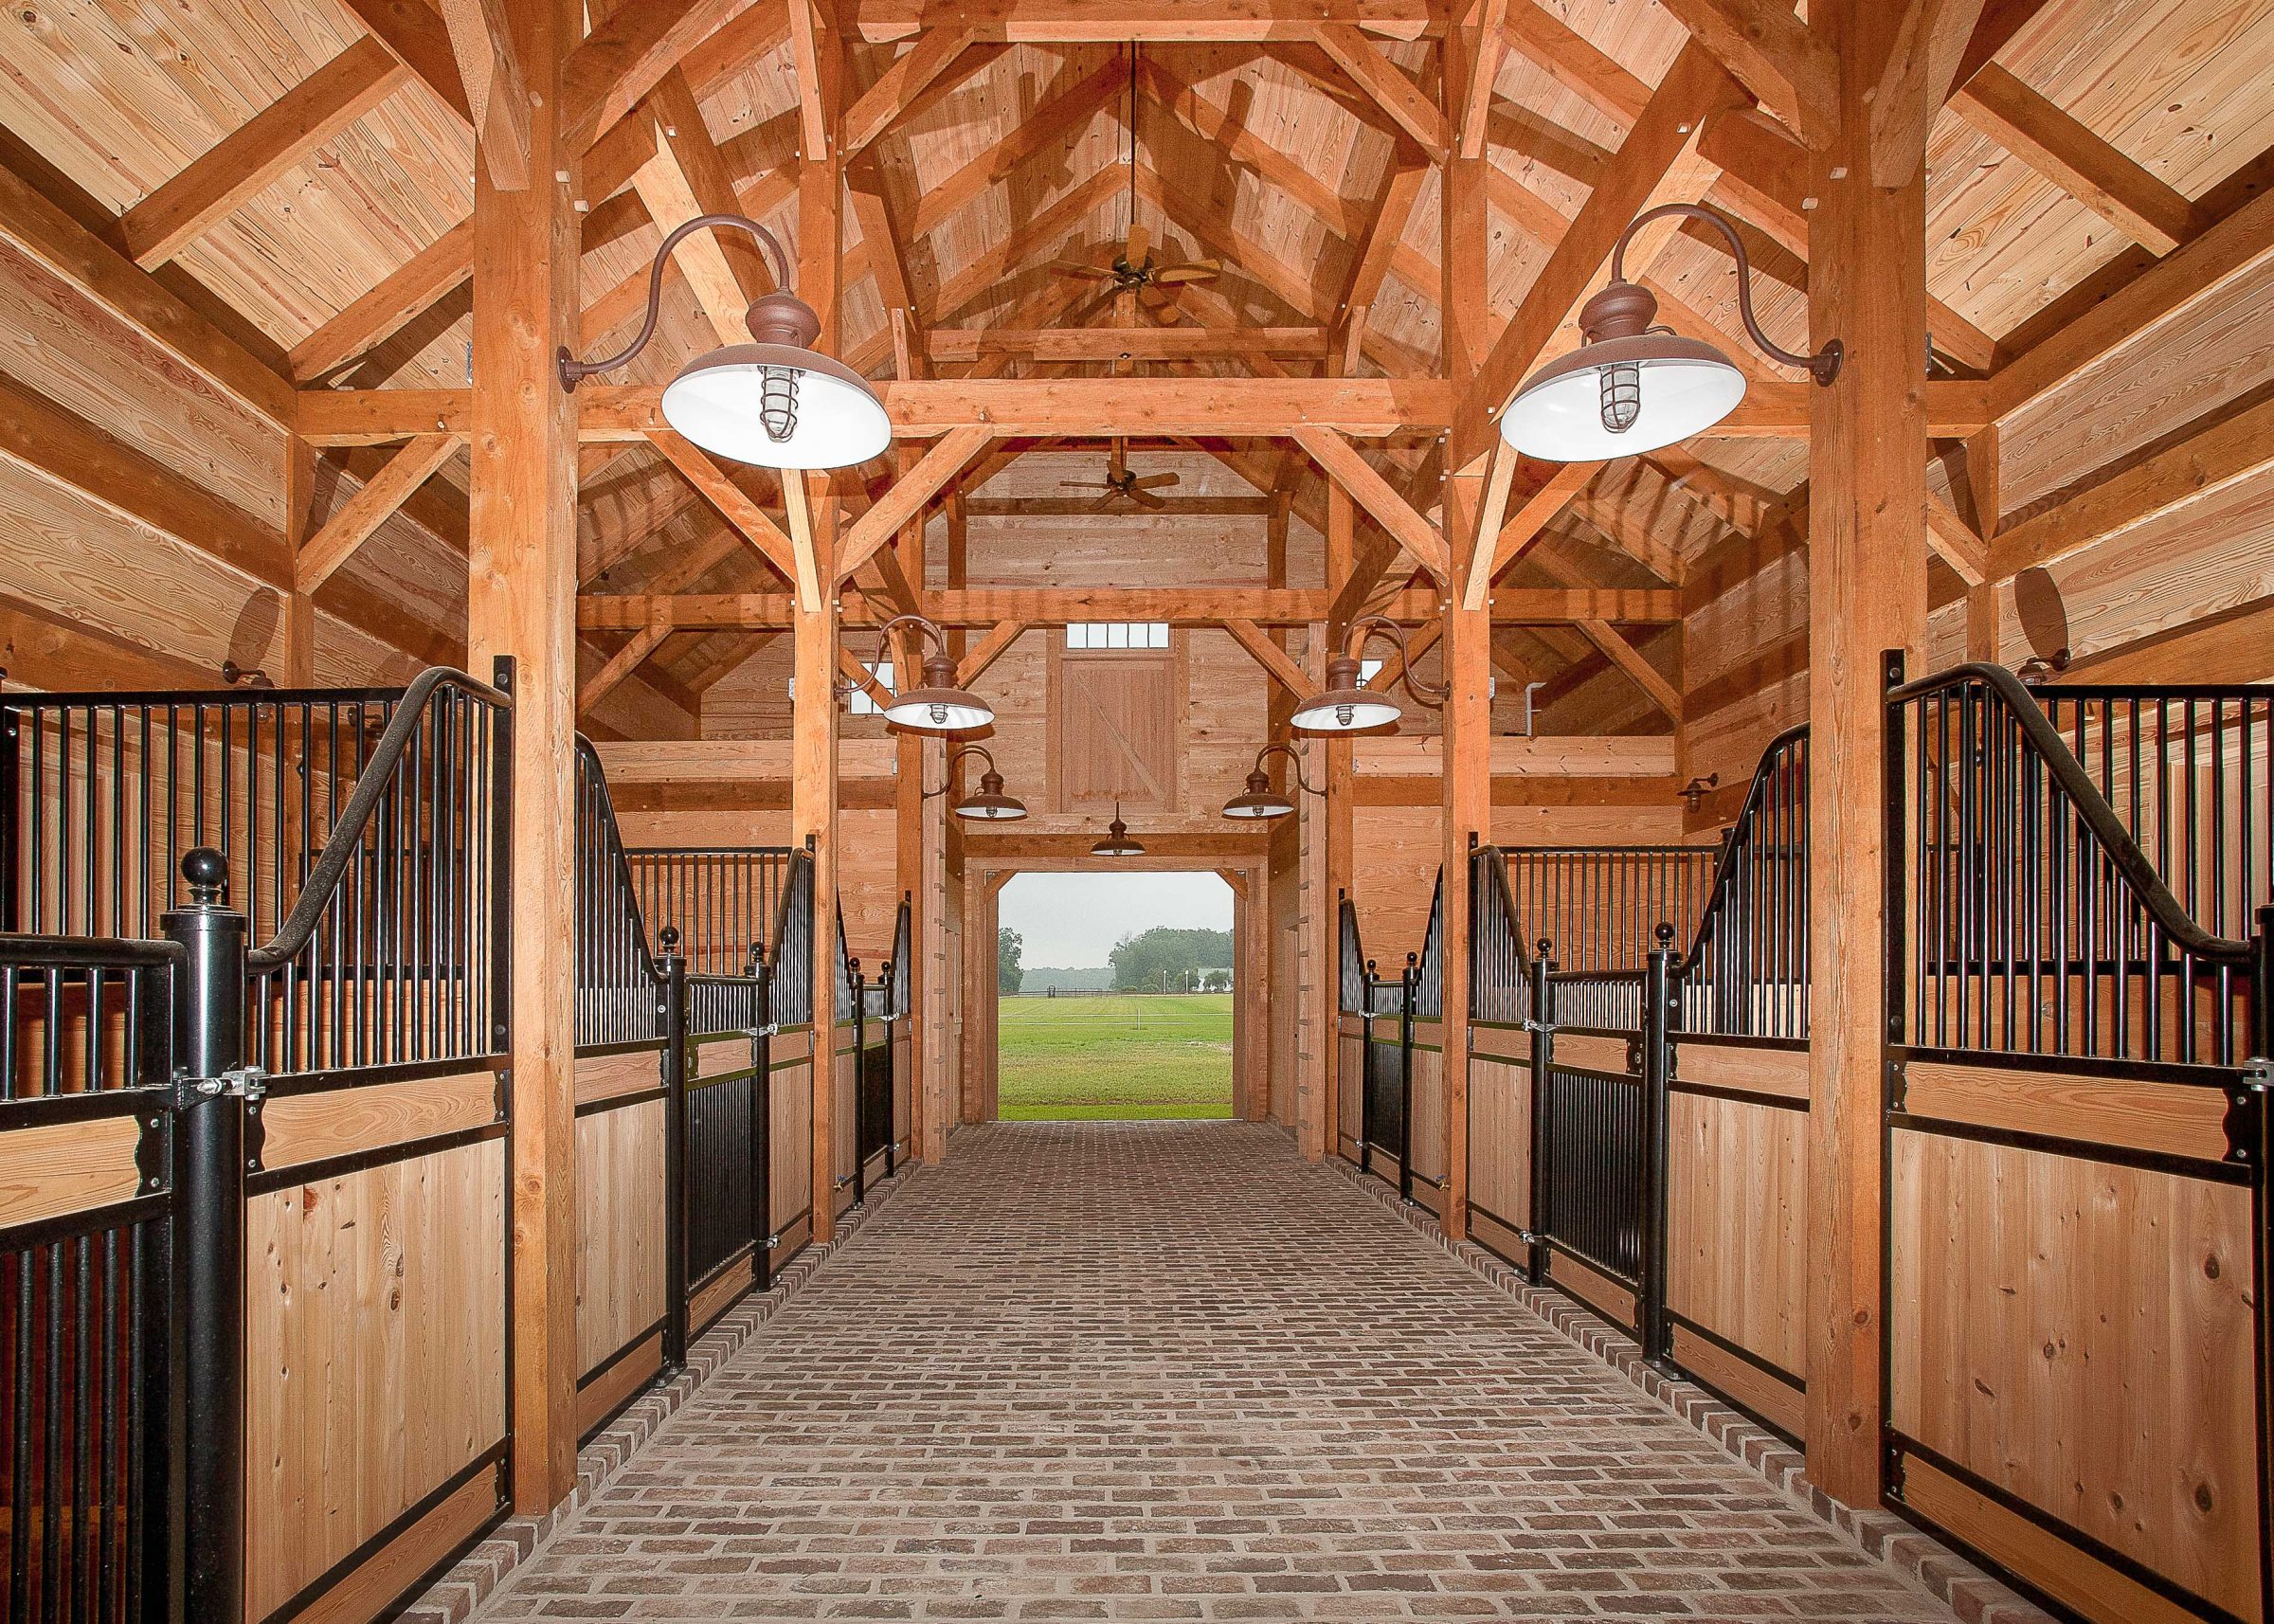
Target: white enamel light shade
x,y
715,403
1685,389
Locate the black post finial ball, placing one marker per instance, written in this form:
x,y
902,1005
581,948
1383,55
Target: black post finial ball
x,y
1664,935
668,938
207,873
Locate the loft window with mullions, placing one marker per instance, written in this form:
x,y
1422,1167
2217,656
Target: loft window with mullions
x,y
1096,635
864,703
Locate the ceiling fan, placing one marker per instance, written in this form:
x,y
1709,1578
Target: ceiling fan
x,y
1132,270
2044,622
1123,483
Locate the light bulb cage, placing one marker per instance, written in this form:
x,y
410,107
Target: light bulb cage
x,y
988,803
939,704
1346,700
1260,799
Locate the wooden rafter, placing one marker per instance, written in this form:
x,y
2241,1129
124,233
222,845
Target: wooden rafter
x,y
906,497
733,504
369,508
488,65
1340,461
1269,656
413,31
985,653
1773,53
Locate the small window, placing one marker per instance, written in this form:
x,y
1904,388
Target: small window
x,y
864,703
1117,634
1368,670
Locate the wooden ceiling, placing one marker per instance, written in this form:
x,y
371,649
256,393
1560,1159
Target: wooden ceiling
x,y
300,170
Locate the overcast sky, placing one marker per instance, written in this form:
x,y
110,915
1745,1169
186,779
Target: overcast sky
x,y
1071,921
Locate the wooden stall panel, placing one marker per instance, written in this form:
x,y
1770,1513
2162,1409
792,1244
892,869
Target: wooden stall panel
x,y
1500,1140
619,1228
1427,1106
789,1144
844,1079
1736,1223
365,1289
65,1167
2079,1333
1350,1084
342,1121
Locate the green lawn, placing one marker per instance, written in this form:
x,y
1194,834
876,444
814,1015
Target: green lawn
x,y
1116,1058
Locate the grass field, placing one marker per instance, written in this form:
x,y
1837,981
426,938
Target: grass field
x,y
1116,1058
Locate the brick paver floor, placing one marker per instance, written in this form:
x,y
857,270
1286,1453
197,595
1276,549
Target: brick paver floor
x,y
1135,1371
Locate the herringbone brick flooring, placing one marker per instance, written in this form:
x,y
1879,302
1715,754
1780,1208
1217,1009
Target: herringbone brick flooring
x,y
1169,1371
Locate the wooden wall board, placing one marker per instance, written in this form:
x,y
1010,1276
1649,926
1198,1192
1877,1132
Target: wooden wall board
x,y
620,1227
67,1167
1499,1140
789,1141
604,1394
2136,1426
362,1288
1781,1403
609,1076
300,1128
2162,1118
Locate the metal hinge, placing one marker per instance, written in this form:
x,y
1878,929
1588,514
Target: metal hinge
x,y
246,1082
1531,1025
772,1029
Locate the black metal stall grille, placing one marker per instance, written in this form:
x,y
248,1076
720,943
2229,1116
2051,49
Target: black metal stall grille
x,y
2040,919
721,899
1500,991
1594,1189
1601,906
615,964
1746,974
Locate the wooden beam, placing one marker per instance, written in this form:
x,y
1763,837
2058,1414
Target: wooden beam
x,y
1394,94
1340,461
2186,274
399,297
626,55
899,85
1080,22
2144,208
1955,542
2236,449
732,503
60,246
521,569
987,651
1867,594
55,442
1184,606
1045,127
1394,209
414,32
371,507
1104,344
490,66
908,494
1922,71
688,177
1572,61
259,152
1271,656
622,664
1773,53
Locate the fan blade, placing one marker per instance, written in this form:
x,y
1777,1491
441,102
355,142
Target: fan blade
x,y
1086,485
1200,271
1140,240
2044,616
1147,499
1154,296
1155,481
1076,268
1105,503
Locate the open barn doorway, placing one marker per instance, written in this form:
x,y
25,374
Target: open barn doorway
x,y
1115,997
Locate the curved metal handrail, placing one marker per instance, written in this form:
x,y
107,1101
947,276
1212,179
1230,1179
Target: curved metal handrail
x,y
2100,819
363,805
1725,864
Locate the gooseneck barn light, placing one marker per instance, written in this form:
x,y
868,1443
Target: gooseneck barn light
x,y
939,706
1632,387
775,401
1118,842
988,801
1347,707
1260,799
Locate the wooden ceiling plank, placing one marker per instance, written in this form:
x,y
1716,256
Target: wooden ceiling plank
x,y
1269,654
1101,344
414,32
626,55
1491,47
1215,125
2237,448
732,503
362,513
259,152
1045,234
1773,53
1393,211
1660,140
488,65
625,660
888,266
401,298
1630,535
2139,204
1572,61
985,653
1340,461
908,494
1387,84
2225,248
898,86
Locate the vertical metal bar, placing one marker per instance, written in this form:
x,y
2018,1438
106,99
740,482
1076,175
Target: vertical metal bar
x,y
209,1234
1543,1033
1406,984
1657,1085
671,970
